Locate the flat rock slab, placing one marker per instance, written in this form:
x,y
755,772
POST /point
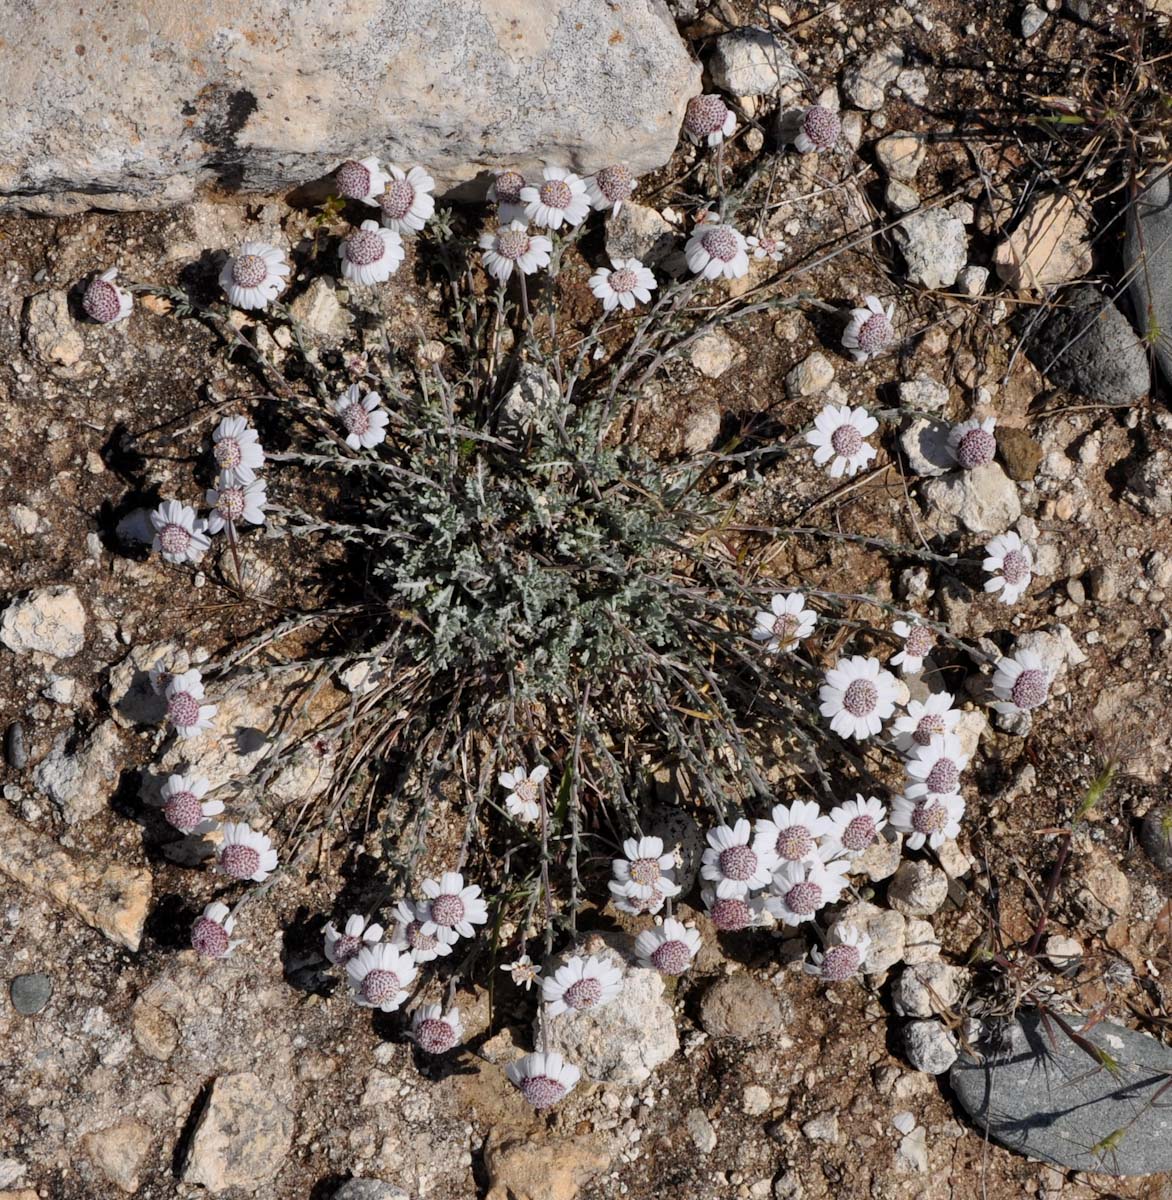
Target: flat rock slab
x,y
1043,1096
129,104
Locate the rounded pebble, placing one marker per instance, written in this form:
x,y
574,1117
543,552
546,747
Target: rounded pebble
x,y
30,993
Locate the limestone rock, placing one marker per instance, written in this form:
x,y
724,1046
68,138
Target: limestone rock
x,y
522,1166
866,83
924,443
118,1152
637,231
812,376
1051,245
50,620
80,780
751,62
918,889
715,353
1149,481
886,929
740,1006
319,311
52,335
984,500
369,1189
926,989
929,1046
934,246
923,394
901,155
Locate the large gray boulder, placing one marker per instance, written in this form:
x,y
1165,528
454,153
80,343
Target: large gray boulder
x,y
1147,257
129,104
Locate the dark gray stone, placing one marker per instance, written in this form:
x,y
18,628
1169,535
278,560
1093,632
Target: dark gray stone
x,y
1040,1094
30,993
1147,257
1155,834
15,750
369,1189
1087,346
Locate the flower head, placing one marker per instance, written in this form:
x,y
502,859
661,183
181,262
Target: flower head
x,y
255,276
560,198
708,119
787,623
610,187
452,908
179,534
668,948
854,826
858,696
800,890
646,871
716,250
625,282
513,246
792,832
733,913
933,819
1020,683
1010,556
184,806
237,450
523,971
582,983
736,866
245,853
819,130
232,502
186,713
211,932
364,417
935,769
356,935
505,191
104,301
869,331
406,201
845,955
918,641
543,1079
378,976
625,900
371,254
434,1031
922,721
523,788
409,934
361,179
838,437
766,246
973,443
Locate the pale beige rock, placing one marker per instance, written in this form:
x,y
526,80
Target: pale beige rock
x,y
80,779
51,333
50,620
901,155
154,1030
105,894
1051,245
118,1152
525,1166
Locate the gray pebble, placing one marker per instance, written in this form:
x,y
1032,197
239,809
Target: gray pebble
x,y
15,750
30,993
1156,836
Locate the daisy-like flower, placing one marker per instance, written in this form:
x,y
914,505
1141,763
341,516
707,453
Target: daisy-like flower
x,y
104,301
179,534
543,1079
561,197
935,769
766,246
800,890
409,935
973,443
668,948
255,276
523,788
582,983
733,913
378,976
237,450
435,1031
1010,556
625,282
709,119
733,864
923,721
361,179
787,623
184,806
838,437
845,955
645,872
371,254
639,906
233,502
513,246
716,250
818,130
505,193
854,826
918,641
452,907
858,696
610,187
356,935
1020,683
523,971
406,201
792,832
245,853
869,331
933,820
186,712
211,932
364,417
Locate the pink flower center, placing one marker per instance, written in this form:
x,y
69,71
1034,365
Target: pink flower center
x,y
859,833
794,842
586,993
447,910
230,503
785,626
875,333
183,710
209,938
615,183
672,958
804,898
846,441
1030,689
976,448
555,193
418,940
705,115
101,301
645,871
944,777
841,962
435,1036
227,453
541,1091
356,418
174,539
365,247
512,244
738,863
249,271
346,948
930,725
526,790
239,861
353,181
623,280
919,641
861,698
1015,567
731,915
508,187
645,904
721,243
379,986
822,127
396,201
929,817
766,244
183,811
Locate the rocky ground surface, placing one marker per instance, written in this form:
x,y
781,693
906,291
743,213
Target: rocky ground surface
x,y
130,1066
